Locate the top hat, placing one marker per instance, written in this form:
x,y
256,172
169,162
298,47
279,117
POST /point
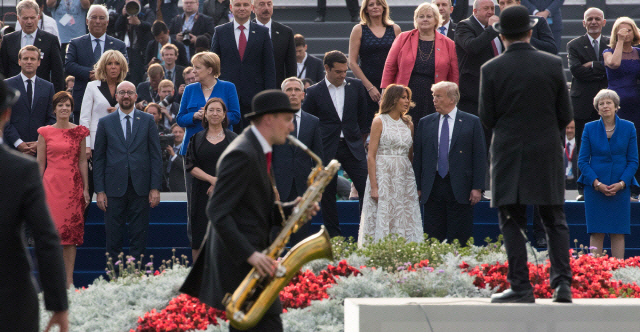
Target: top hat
x,y
514,20
269,102
8,96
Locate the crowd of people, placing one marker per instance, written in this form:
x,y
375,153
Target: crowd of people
x,y
148,100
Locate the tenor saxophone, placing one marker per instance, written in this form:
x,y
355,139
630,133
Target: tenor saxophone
x,y
250,301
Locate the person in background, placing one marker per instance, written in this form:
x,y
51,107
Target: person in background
x,y
175,166
570,153
161,37
169,110
69,82
167,11
460,10
549,10
148,91
352,5
46,23
218,10
186,27
307,82
370,42
172,71
154,109
64,170
135,32
203,42
447,26
308,66
421,57
205,149
70,16
608,161
541,38
189,77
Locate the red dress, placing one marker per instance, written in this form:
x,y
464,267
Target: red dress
x,y
62,181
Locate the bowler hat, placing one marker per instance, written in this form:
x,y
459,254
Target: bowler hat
x,y
514,20
269,102
8,96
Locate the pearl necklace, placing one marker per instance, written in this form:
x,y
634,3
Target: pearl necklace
x,y
612,129
213,138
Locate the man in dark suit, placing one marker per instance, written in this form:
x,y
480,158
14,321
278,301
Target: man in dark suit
x,y
284,49
526,150
291,166
460,10
549,10
571,149
175,166
161,37
172,71
239,231
352,5
308,66
50,67
246,56
587,68
476,43
450,163
169,110
541,37
83,52
21,185
148,91
341,105
448,26
33,110
135,32
130,183
193,23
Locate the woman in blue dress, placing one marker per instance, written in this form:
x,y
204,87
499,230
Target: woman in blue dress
x,y
608,161
370,41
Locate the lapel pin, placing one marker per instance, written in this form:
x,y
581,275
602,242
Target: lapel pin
x,y
460,120
438,49
277,32
137,117
586,47
110,43
39,39
253,31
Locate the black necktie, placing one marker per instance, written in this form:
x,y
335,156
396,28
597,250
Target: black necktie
x,y
295,126
128,133
169,75
29,93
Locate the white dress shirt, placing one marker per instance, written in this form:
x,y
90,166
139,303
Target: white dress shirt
x,y
123,121
236,31
451,121
266,147
591,42
102,40
496,40
572,146
268,25
47,24
337,96
301,65
24,41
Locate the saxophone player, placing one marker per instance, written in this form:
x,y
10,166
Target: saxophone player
x,y
243,210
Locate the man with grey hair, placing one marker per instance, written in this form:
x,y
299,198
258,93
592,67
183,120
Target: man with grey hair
x,y
85,51
291,165
449,161
50,68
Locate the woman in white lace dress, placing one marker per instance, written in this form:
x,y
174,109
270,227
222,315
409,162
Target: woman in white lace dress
x,y
391,198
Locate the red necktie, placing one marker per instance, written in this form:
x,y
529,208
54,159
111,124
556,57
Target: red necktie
x,y
495,48
268,155
242,42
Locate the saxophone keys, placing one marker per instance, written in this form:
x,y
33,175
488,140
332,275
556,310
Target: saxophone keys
x,y
238,316
281,271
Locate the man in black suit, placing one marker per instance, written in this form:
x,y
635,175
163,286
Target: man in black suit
x,y
172,71
450,162
135,32
33,110
448,26
85,51
246,56
541,37
308,66
526,150
21,182
341,105
148,91
50,67
291,166
191,22
587,68
240,231
571,150
284,49
175,167
161,37
127,172
352,5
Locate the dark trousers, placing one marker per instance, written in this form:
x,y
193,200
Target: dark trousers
x,y
270,322
444,218
91,187
304,230
513,221
131,209
19,308
357,170
244,123
188,183
352,5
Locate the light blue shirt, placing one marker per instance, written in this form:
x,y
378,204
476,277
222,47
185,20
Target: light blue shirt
x,y
101,40
188,25
123,121
74,28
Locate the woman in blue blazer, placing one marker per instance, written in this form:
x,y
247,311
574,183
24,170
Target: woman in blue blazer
x,y
608,161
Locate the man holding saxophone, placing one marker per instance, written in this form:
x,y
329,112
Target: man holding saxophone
x,y
243,209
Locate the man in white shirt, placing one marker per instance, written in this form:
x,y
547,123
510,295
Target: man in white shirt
x,y
308,65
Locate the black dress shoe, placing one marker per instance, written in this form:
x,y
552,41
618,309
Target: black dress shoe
x,y
563,293
511,296
320,18
541,243
355,19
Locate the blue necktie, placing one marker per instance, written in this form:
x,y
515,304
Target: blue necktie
x,y
97,51
128,131
441,29
443,149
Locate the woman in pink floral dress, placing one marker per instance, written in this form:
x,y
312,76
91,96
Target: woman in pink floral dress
x,y
63,165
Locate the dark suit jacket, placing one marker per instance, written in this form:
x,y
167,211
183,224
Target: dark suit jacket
x,y
203,24
25,120
168,10
242,212
451,32
542,37
467,155
175,173
554,7
473,46
79,62
526,150
354,119
152,52
144,93
139,38
289,162
114,160
314,69
572,184
50,67
27,205
460,10
284,51
586,82
256,72
179,80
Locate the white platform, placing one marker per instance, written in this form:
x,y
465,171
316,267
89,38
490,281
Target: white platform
x,y
450,314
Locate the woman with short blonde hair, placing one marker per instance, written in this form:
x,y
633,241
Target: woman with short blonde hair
x,y
107,57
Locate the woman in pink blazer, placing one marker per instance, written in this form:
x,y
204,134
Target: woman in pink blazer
x,y
420,58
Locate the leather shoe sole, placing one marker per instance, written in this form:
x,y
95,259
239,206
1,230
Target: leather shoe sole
x,y
511,296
